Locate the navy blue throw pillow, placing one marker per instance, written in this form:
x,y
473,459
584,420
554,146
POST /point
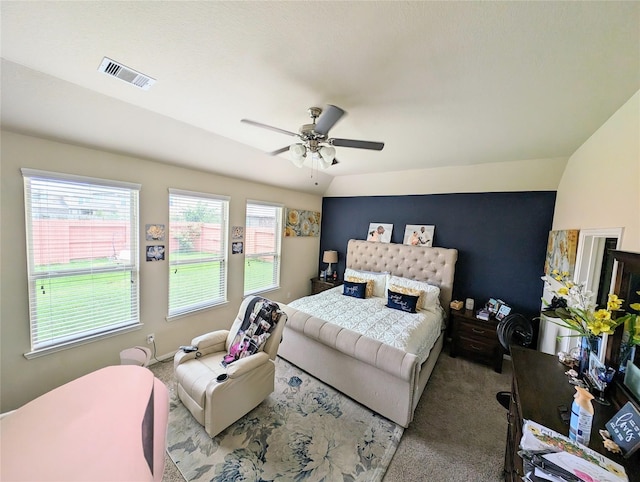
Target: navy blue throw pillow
x,y
357,290
399,301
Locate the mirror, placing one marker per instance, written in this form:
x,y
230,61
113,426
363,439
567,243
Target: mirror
x,y
594,266
626,286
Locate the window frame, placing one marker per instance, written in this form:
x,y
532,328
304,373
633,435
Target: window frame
x,y
223,257
277,253
82,335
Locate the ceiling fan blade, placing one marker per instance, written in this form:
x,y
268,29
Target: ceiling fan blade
x,y
278,151
376,146
328,119
265,126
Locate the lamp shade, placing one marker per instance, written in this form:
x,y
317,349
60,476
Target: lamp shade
x,y
330,257
298,153
327,155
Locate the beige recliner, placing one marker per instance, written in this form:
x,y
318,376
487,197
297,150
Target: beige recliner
x,y
215,395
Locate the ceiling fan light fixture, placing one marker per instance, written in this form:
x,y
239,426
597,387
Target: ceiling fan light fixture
x,y
298,153
327,155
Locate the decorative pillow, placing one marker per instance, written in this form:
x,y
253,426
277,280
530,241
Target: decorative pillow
x,y
260,318
409,291
431,296
402,302
379,280
357,290
368,284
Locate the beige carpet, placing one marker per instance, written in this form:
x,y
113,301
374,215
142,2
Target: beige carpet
x,y
458,433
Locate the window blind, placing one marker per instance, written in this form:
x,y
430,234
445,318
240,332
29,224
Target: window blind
x,y
197,251
82,252
263,233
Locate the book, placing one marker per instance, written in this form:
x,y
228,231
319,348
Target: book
x,y
575,458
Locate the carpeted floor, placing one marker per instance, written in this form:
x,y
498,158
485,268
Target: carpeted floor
x,y
458,433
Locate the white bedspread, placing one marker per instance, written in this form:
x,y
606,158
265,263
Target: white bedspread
x,y
412,332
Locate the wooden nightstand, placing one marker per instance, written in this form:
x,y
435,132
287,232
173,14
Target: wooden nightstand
x,y
475,339
319,285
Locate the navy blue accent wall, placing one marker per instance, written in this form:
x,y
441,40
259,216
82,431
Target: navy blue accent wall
x,y
501,238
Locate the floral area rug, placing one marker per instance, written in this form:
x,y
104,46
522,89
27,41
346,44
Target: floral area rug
x,y
304,431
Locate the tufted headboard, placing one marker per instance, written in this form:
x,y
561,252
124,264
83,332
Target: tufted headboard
x,y
433,265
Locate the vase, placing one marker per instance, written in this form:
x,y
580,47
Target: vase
x,y
588,345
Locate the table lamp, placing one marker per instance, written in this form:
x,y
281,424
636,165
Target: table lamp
x,y
330,257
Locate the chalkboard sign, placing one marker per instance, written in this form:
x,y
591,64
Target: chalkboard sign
x,y
625,429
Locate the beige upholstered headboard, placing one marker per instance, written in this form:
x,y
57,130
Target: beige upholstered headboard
x,y
433,265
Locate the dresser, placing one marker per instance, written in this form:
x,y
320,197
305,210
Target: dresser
x,y
539,386
475,339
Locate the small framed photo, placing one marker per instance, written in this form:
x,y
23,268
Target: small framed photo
x,y
379,232
492,305
237,247
503,311
155,253
237,232
418,235
154,232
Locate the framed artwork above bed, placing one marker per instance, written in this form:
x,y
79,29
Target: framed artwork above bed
x,y
379,232
418,235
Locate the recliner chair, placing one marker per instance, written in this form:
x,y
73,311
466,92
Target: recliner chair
x,y
217,396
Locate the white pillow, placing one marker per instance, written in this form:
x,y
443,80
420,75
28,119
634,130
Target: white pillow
x,y
431,293
379,280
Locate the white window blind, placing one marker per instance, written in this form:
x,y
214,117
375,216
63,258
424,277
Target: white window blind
x,y
197,251
263,231
82,251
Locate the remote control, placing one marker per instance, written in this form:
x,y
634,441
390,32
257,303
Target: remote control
x,y
189,348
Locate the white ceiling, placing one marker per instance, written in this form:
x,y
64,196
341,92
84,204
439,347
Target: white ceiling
x,y
441,83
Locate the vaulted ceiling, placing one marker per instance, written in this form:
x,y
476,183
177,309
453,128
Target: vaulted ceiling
x,y
441,83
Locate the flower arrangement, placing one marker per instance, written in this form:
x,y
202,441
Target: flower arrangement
x,y
574,306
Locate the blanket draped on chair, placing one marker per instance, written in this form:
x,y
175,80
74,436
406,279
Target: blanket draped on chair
x,y
260,317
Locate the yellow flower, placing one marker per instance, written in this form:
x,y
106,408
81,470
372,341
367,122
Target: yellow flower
x,y
565,274
614,302
555,272
602,315
289,232
635,306
563,291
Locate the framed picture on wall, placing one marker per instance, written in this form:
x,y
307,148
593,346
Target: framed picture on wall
x,y
379,232
418,235
561,251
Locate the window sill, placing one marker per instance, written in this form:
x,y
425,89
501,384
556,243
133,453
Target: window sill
x,y
185,314
72,344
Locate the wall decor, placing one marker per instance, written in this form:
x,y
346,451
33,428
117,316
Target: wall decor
x,y
237,247
154,232
561,251
155,253
302,223
418,235
237,232
379,232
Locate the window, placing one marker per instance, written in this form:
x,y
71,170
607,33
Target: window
x,y
197,251
262,247
82,258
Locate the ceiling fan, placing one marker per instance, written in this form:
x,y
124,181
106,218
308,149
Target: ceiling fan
x,y
316,142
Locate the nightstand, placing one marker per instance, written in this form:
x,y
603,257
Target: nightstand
x,y
475,339
319,285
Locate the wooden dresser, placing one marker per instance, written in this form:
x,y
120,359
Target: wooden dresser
x,y
475,339
539,387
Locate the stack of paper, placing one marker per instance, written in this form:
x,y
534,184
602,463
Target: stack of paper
x,y
548,455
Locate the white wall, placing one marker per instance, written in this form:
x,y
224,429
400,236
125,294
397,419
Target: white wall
x,y
22,380
529,175
600,187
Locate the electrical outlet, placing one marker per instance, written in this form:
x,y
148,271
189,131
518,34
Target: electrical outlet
x,y
150,339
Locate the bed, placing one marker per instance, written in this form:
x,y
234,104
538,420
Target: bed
x,y
386,375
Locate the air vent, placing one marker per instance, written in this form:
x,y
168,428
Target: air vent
x,y
124,73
